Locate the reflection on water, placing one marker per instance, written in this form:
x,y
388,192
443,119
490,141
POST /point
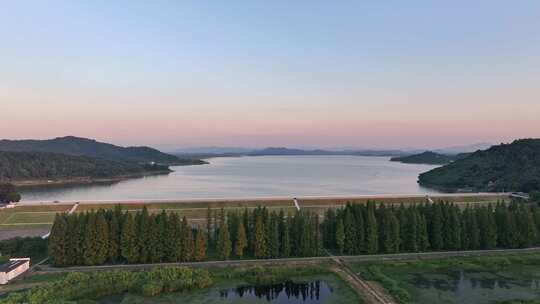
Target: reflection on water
x,y
473,287
264,176
314,292
284,293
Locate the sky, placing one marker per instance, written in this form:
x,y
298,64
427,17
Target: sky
x,y
366,74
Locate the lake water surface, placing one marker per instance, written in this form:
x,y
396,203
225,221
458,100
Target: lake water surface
x,y
261,176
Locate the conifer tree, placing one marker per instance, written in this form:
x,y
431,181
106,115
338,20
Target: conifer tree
x,y
129,246
187,241
340,236
144,223
114,238
474,231
274,237
358,238
285,240
241,240
465,230
102,239
90,243
372,238
410,234
57,241
527,228
200,245
423,236
436,238
394,233
74,239
259,238
454,231
224,246
350,233
161,244
329,229
152,246
209,226
174,238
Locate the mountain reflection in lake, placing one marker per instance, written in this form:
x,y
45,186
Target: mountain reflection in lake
x,y
283,293
472,287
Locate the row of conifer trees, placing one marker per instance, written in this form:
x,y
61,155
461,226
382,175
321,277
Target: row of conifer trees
x,y
118,236
366,229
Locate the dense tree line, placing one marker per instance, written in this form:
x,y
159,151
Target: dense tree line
x,y
8,193
116,236
366,229
35,166
34,247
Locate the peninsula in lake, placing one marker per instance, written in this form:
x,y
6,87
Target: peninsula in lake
x,y
428,157
71,159
505,167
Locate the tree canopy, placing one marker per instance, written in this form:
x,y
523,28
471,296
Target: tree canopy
x,y
506,167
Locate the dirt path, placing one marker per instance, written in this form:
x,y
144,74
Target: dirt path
x,y
369,293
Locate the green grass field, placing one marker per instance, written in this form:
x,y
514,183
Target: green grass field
x,y
42,216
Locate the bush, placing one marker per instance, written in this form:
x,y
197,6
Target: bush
x,y
151,289
391,285
77,286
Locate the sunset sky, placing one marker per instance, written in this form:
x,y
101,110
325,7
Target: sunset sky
x,y
367,74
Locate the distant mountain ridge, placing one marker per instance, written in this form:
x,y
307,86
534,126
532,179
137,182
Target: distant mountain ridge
x,y
78,146
505,167
463,148
212,150
282,151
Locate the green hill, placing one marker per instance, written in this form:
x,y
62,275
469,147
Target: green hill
x,y
428,157
88,147
506,167
28,166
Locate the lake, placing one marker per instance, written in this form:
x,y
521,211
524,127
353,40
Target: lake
x,y
249,177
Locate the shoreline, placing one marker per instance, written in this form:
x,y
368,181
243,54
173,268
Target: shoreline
x,y
85,180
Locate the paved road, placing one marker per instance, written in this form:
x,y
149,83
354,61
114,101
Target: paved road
x,y
312,260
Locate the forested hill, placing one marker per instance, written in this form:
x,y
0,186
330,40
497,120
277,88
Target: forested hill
x,y
506,167
88,147
26,166
428,157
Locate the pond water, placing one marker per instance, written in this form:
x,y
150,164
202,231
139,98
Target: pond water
x,y
473,287
262,176
313,292
284,293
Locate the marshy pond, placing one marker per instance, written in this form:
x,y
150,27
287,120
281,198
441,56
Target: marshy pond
x,y
472,280
473,287
317,290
